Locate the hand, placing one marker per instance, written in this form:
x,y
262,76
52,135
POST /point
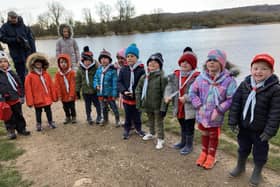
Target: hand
x,y
264,137
98,87
234,128
78,95
127,93
182,99
162,113
22,100
167,99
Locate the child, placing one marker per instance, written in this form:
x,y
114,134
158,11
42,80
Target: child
x,y
39,88
127,82
105,81
68,45
211,95
65,86
176,90
11,91
84,78
121,60
149,97
255,111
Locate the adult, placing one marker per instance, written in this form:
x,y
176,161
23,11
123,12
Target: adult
x,y
20,42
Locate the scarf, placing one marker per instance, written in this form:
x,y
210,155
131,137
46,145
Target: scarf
x,y
184,74
86,70
252,98
131,82
65,79
146,82
214,84
104,70
43,81
11,79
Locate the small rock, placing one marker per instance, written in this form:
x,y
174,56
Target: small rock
x,y
82,182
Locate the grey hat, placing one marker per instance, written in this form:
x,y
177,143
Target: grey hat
x,y
12,14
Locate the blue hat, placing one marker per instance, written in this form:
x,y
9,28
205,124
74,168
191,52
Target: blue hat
x,y
132,49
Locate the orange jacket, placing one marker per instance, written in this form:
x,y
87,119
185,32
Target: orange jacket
x,y
60,85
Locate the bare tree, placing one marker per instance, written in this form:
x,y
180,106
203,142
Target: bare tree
x,y
88,16
56,10
43,20
125,10
104,12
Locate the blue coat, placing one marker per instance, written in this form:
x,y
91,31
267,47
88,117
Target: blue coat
x,y
19,48
109,82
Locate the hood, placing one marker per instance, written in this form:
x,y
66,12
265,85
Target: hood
x,y
37,56
67,58
60,30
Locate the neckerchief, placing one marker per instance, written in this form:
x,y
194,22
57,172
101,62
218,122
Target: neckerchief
x,y
43,81
104,70
146,82
11,79
65,79
131,82
86,70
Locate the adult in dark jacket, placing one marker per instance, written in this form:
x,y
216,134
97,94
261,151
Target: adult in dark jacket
x,y
255,109
20,41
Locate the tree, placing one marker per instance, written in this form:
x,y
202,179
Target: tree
x,y
104,12
87,16
125,10
55,10
43,20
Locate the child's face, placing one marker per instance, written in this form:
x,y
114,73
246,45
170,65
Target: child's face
x,y
4,64
121,60
65,32
131,59
38,64
185,66
104,61
87,62
213,66
153,65
260,71
63,63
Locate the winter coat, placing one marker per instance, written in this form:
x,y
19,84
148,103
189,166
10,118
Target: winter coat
x,y
68,45
173,86
60,85
19,38
6,89
267,108
124,81
153,101
36,95
109,81
81,83
208,113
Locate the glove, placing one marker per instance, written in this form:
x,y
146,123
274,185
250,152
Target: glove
x,y
162,113
234,128
265,137
78,95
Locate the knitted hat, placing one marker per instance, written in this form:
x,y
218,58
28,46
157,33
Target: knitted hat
x,y
86,54
157,57
188,49
121,53
4,55
264,57
219,56
190,57
132,49
12,14
105,54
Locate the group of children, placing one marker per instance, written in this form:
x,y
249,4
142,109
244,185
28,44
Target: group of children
x,y
198,97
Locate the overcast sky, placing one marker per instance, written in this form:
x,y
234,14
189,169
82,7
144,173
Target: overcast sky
x,y
30,9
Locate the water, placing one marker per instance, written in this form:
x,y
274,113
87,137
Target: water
x,y
240,43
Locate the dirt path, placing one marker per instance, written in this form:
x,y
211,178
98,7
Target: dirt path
x,y
97,156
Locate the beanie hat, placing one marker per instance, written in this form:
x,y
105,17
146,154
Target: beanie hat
x,y
190,57
121,53
188,49
105,54
264,57
86,54
132,49
157,57
219,56
4,55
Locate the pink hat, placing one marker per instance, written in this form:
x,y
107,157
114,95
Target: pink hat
x,y
121,52
218,55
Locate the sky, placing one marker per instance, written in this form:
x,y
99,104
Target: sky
x,y
30,9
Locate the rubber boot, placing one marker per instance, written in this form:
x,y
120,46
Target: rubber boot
x,y
256,175
187,149
105,116
240,167
182,143
67,120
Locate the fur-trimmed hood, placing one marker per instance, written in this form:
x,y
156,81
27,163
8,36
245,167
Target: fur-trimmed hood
x,y
37,56
60,30
67,58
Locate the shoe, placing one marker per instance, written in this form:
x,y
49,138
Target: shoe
x,y
210,162
74,120
24,133
52,125
160,143
148,137
99,120
187,149
125,135
140,133
201,159
90,122
66,120
11,134
39,127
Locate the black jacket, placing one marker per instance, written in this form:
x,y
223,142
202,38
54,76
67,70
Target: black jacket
x,y
267,109
124,80
6,90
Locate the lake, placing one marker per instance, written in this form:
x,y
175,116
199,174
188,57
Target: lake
x,y
240,43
